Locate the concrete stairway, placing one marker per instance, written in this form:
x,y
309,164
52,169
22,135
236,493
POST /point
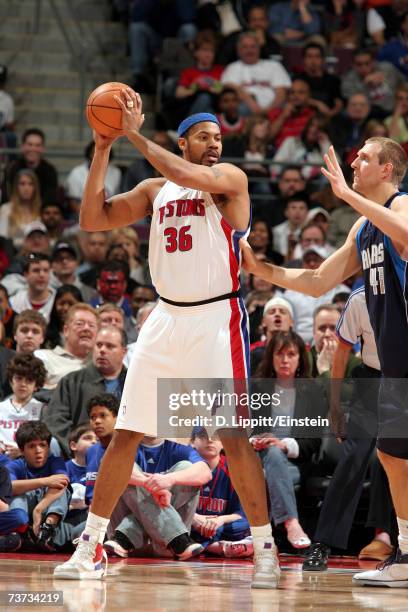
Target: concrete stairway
x,y
43,75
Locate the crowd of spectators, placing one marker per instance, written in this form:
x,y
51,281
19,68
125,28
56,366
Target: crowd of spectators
x,y
72,303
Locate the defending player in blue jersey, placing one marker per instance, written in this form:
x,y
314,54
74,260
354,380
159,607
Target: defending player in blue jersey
x,y
377,243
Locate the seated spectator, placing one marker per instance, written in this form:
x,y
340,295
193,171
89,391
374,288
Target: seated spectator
x,y
287,234
309,149
140,296
219,523
111,285
319,216
325,319
29,331
260,239
255,301
35,240
79,332
52,217
111,315
94,246
64,270
142,314
129,239
141,169
397,123
76,179
67,407
294,21
258,23
311,234
384,18
283,452
290,181
291,118
65,297
304,306
118,254
349,126
32,157
38,295
232,123
7,316
23,208
373,127
26,375
199,85
343,23
154,514
277,315
12,522
40,485
325,94
260,84
395,51
80,439
376,80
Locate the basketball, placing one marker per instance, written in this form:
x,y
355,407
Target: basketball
x,y
103,112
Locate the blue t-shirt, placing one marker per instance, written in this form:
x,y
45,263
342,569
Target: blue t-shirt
x,y
218,497
94,456
76,473
20,470
160,458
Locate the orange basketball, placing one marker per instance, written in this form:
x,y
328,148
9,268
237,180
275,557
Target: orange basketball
x,y
102,110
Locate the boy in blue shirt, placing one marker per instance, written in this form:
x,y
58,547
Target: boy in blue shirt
x,y
80,439
219,523
40,483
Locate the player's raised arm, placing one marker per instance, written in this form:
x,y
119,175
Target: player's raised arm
x,y
392,221
335,269
204,175
99,214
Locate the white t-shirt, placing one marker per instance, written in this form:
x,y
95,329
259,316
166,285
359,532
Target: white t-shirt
x,y
258,79
12,417
354,324
76,180
59,362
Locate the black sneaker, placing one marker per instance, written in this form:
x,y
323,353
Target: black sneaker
x,y
316,558
119,545
45,540
183,547
10,542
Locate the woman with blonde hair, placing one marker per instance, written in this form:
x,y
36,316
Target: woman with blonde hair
x,y
128,238
24,206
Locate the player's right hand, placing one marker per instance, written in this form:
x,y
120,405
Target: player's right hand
x,y
103,142
249,260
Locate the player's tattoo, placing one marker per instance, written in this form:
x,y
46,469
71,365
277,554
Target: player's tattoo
x,y
216,172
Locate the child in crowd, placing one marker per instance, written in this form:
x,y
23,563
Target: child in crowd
x,y
40,485
80,439
26,375
220,524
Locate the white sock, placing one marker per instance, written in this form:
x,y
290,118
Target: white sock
x,y
403,535
262,535
96,526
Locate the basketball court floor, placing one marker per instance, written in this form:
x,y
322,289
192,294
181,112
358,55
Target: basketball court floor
x,y
201,585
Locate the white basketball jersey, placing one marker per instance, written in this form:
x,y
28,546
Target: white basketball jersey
x,y
193,251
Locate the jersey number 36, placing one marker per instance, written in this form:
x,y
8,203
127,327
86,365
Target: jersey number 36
x,y
178,239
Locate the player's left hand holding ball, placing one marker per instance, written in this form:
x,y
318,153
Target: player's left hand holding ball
x,y
132,110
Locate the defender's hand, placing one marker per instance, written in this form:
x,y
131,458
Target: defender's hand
x,y
249,261
334,174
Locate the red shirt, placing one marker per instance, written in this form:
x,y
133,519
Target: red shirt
x,y
229,128
293,125
203,78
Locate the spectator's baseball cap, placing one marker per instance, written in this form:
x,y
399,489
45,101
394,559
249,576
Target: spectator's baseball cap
x,y
63,246
321,251
278,301
314,212
199,432
35,226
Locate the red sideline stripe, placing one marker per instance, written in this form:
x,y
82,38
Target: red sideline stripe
x,y
236,341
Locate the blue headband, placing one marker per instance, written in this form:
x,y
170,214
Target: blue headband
x,y
186,124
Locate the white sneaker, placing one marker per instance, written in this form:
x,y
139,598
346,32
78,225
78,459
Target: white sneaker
x,y
392,573
266,571
114,549
89,561
242,548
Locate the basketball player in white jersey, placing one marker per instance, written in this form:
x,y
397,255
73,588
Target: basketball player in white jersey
x,y
200,210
